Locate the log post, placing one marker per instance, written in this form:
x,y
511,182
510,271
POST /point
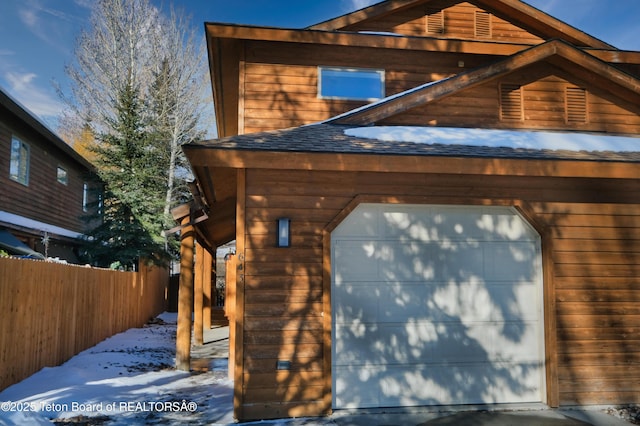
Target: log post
x,y
198,295
206,281
185,296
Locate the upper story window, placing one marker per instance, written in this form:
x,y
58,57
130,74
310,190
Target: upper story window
x,y
85,197
350,83
19,166
62,175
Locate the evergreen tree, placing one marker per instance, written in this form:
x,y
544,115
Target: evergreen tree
x,y
127,162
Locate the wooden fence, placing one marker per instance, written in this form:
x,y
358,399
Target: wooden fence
x,y
49,312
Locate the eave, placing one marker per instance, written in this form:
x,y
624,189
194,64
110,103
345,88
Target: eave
x,y
21,113
202,156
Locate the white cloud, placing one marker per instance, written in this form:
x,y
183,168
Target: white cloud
x,y
41,102
351,5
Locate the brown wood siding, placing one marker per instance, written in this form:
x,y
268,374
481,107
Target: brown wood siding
x,y
280,84
596,250
459,23
544,107
44,198
280,91
597,276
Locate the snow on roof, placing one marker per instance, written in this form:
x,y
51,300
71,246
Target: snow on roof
x,y
499,138
21,221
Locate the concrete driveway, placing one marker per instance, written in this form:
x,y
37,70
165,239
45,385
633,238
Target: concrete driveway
x,y
543,417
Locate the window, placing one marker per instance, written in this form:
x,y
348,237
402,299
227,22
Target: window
x,y
62,175
350,83
19,167
85,197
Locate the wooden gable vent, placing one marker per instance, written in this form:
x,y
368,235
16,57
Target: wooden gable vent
x,y
576,111
482,24
435,21
511,104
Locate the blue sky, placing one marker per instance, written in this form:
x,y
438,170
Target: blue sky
x,y
37,36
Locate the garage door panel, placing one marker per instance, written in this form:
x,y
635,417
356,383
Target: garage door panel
x,y
410,300
359,303
359,385
362,264
436,305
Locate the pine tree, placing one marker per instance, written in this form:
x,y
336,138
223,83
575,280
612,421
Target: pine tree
x,y
127,159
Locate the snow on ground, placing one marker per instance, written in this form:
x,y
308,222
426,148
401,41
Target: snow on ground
x,y
126,379
499,138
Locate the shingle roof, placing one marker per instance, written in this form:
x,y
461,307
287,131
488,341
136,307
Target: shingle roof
x,y
330,138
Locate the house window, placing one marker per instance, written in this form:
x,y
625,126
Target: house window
x,y
576,111
483,24
19,167
435,21
62,175
511,104
85,197
350,83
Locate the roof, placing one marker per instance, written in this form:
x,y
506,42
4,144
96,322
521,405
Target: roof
x,y
331,138
34,123
515,11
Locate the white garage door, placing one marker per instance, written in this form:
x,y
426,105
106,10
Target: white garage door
x,y
436,305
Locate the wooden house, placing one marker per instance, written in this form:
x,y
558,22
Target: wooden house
x,y
373,272
45,187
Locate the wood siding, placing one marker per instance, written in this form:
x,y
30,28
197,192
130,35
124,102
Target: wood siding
x,y
459,22
592,261
280,83
544,106
280,88
44,198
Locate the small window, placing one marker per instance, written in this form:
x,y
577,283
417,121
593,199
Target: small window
x,y
62,176
350,83
19,167
85,197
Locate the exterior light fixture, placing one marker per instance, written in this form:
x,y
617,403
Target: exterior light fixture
x,y
284,232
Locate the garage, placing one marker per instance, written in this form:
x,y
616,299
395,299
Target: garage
x,y
436,305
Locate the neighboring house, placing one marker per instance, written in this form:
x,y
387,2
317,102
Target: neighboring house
x,y
437,267
45,187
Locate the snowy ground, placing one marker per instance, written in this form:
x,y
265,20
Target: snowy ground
x,y
129,379
126,379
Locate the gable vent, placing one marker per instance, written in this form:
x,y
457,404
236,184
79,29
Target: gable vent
x,y
576,111
435,21
483,24
511,102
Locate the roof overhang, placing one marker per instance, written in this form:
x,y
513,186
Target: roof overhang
x,y
201,156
